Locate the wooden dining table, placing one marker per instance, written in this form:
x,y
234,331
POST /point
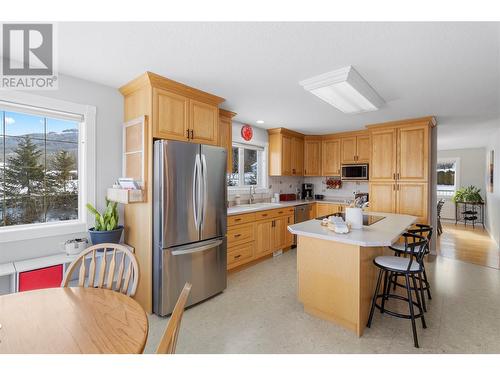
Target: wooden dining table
x,y
71,320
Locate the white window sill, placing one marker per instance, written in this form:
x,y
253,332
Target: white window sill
x,y
33,231
246,190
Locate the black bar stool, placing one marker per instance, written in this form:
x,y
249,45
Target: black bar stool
x,y
403,249
409,267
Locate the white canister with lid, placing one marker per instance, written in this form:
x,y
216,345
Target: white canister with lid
x,y
354,216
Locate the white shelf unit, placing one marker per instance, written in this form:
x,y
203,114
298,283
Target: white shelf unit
x,y
11,270
8,276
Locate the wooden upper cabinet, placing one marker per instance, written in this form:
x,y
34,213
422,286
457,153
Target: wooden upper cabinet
x,y
177,111
297,155
226,135
363,148
204,122
412,199
383,197
286,155
170,115
348,150
355,149
413,159
312,157
383,154
286,152
331,157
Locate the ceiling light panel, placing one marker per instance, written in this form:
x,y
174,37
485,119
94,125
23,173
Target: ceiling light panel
x,y
344,89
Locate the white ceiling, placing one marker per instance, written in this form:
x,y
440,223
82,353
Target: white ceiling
x,y
451,70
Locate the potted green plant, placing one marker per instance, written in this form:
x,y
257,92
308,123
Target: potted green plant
x,y
469,194
106,228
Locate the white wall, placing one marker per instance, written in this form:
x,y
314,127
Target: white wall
x,y
260,137
493,199
109,117
471,172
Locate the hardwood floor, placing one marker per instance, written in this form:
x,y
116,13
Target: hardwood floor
x,y
468,245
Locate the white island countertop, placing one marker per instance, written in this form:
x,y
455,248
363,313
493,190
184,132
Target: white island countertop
x,y
382,233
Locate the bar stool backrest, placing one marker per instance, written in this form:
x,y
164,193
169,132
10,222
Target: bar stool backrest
x,y
423,230
415,247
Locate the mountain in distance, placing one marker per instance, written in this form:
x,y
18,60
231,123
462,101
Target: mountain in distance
x,y
56,141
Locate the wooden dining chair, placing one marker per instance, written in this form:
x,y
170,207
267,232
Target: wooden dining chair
x,y
105,274
169,339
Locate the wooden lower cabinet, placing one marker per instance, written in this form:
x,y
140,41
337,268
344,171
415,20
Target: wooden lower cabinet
x,y
289,220
410,198
263,237
323,209
383,196
255,235
240,254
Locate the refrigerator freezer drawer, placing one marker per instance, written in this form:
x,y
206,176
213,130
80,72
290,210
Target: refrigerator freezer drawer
x,y
203,264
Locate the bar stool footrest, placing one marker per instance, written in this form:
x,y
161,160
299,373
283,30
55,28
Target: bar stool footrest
x,y
396,314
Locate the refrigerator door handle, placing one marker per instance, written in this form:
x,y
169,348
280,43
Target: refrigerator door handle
x,y
205,188
189,249
196,192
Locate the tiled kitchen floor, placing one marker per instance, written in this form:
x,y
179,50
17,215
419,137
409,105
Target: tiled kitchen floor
x,y
259,313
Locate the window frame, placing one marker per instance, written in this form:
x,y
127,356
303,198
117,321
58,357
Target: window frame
x,y
262,181
86,167
455,160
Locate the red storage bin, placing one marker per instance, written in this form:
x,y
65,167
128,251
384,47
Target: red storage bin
x,y
48,277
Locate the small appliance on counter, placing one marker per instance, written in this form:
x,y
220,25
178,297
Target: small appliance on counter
x,y
287,197
307,191
319,197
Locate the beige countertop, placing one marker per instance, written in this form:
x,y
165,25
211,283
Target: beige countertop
x,y
255,207
382,233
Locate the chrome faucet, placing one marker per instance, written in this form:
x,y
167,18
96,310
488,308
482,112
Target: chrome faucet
x,y
252,197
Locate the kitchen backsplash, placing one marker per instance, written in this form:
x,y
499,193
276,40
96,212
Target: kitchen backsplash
x,y
347,189
289,184
280,185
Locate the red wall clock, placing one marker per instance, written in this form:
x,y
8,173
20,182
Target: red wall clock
x,y
246,132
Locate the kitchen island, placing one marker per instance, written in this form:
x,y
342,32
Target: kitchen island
x,y
336,274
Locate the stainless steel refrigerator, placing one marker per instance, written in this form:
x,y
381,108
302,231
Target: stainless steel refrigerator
x,y
189,222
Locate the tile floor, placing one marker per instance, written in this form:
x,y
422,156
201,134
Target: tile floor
x,y
259,313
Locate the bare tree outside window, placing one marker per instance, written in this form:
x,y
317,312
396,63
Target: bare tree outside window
x,y
245,167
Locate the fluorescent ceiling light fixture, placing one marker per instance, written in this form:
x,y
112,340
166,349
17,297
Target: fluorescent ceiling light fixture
x,y
344,89
260,121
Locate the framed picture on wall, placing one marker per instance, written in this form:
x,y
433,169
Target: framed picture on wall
x,y
491,168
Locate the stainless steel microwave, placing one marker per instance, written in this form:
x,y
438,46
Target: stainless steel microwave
x,y
355,172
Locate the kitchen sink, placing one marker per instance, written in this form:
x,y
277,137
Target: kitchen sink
x,y
255,206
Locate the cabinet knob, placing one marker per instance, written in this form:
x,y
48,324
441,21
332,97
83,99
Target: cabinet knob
x,y
192,134
237,256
